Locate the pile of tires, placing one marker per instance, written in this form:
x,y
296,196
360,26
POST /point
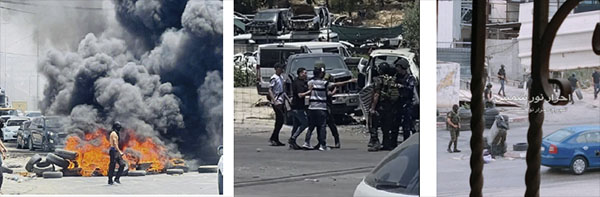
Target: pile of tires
x,y
48,167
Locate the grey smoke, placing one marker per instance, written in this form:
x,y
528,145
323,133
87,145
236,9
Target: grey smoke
x,y
161,78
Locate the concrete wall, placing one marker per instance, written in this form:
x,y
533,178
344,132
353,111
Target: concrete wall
x,y
572,48
504,52
462,56
448,84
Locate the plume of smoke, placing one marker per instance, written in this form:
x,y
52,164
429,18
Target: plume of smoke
x,y
162,79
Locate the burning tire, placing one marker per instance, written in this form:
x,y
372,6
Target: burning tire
x,y
39,171
56,160
32,161
6,170
48,175
137,173
174,171
207,169
65,154
71,172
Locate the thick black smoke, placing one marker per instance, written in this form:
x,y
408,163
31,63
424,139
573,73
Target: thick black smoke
x,y
171,90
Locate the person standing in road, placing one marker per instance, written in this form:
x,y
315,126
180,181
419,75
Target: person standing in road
x,y
487,96
385,107
278,97
318,102
502,78
300,90
573,80
453,120
116,155
596,80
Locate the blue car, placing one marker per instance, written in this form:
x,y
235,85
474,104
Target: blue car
x,y
576,148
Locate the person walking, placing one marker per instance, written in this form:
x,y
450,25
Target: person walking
x,y
116,155
453,120
502,78
278,97
573,81
300,90
596,80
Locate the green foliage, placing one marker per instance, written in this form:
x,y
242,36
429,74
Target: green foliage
x,y
411,26
243,77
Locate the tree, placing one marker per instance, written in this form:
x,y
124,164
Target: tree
x,y
410,25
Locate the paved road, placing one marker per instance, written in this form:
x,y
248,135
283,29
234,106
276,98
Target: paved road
x,y
262,170
505,176
188,183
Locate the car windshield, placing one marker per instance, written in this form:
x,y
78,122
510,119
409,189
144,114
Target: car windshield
x,y
331,62
52,122
14,122
399,173
268,57
11,112
558,136
266,16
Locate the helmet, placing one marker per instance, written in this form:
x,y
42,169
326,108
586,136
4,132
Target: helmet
x,y
402,63
385,68
117,126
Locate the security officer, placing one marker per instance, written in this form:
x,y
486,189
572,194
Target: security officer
x,y
384,108
498,147
406,89
453,121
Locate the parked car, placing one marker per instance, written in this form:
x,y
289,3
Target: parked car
x,y
396,175
345,100
576,148
9,132
220,169
270,21
23,134
269,54
305,18
46,133
7,113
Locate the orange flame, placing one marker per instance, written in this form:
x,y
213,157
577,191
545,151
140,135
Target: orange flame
x,y
94,148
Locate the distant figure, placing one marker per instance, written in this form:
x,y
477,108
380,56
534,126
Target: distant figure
x,y
453,120
487,96
596,79
502,77
573,81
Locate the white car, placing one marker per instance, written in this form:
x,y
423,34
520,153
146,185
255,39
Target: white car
x,y
396,175
220,169
33,114
9,132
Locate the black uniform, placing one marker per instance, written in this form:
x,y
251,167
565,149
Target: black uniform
x,y
406,85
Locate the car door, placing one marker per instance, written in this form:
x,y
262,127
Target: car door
x,y
36,131
593,147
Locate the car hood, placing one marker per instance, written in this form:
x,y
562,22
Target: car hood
x,y
337,74
364,190
261,22
11,128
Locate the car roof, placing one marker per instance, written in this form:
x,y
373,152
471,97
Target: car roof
x,y
17,118
582,128
403,52
274,10
314,55
310,45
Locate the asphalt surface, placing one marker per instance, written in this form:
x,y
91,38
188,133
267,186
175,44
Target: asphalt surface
x,y
262,170
14,184
506,176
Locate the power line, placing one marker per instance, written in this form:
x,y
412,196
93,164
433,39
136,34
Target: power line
x,y
16,10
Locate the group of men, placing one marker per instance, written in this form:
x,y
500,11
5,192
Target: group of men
x,y
392,104
315,114
390,109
